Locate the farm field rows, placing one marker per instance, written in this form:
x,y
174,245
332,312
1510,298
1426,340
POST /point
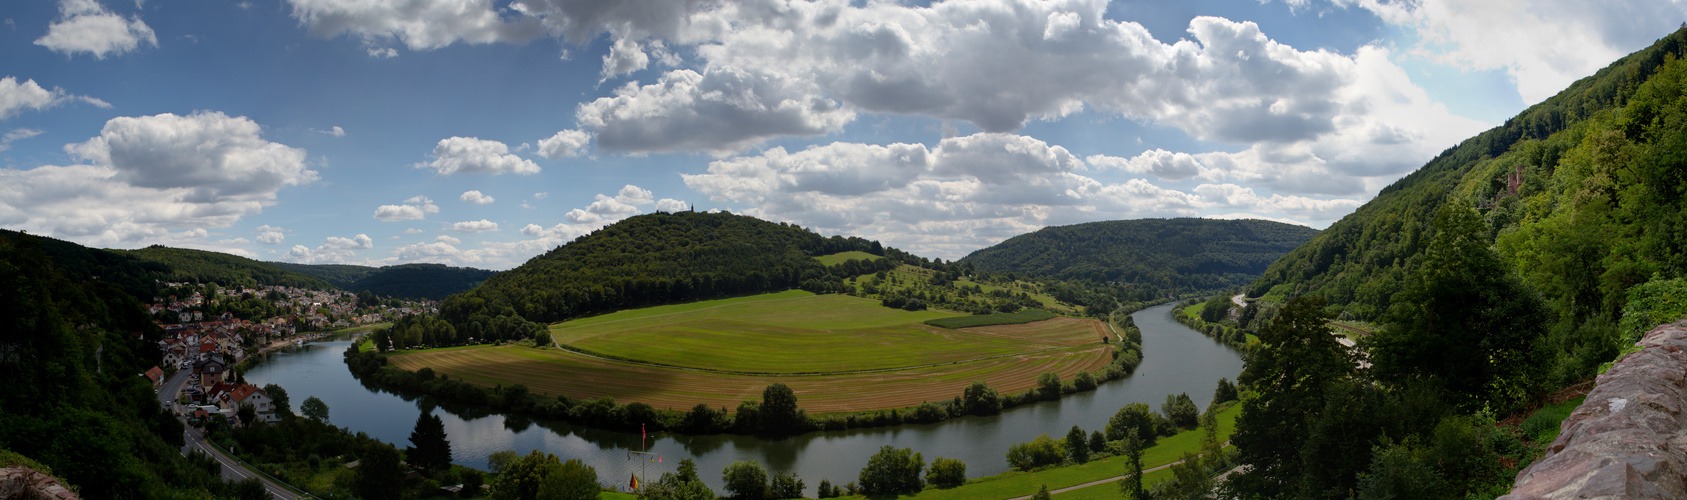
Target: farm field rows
x,y
726,351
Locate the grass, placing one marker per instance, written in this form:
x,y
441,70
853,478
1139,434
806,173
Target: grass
x,y
1015,483
838,353
839,258
1014,318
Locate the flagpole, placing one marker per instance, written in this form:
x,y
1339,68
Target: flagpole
x,y
645,457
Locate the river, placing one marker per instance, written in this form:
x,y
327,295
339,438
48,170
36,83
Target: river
x,y
1177,360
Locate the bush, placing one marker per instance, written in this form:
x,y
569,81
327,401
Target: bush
x,y
745,480
947,472
785,485
1134,417
980,399
1181,411
572,480
1041,452
1083,381
892,471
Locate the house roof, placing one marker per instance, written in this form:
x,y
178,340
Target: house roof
x,y
155,374
244,391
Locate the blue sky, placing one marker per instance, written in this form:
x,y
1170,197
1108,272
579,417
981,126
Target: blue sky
x,y
484,132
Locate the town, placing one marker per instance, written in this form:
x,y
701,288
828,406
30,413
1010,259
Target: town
x,y
210,330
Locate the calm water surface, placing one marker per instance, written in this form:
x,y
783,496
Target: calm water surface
x,y
1177,360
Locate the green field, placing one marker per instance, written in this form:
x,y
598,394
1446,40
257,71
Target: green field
x,y
839,258
784,332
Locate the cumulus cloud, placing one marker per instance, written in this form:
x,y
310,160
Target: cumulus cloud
x,y
86,26
967,192
271,235
569,143
472,155
719,110
672,205
416,208
1543,45
16,97
474,226
447,240
153,179
418,24
356,242
1162,164
476,197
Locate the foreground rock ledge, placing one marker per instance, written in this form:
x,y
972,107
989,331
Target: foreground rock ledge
x,y
1627,440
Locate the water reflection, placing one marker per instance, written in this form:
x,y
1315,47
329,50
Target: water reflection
x,y
1178,360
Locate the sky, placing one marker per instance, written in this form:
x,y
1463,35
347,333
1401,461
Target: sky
x,y
482,133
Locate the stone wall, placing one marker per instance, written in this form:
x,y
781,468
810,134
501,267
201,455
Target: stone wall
x,y
24,483
1627,440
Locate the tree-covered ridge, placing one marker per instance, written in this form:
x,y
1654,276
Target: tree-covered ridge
x,y
1513,173
1163,254
655,259
200,266
406,281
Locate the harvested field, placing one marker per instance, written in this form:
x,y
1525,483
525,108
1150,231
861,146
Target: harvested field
x,y
839,353
556,372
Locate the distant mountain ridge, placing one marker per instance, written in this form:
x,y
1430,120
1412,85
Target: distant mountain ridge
x,y
1187,254
406,281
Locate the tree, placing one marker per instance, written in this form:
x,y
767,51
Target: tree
x,y
379,475
1131,485
1136,419
1463,320
1041,452
315,409
519,479
779,412
745,480
429,449
498,461
1225,392
684,484
571,480
785,485
1181,410
1098,442
892,471
1189,481
1077,445
247,414
980,399
1048,385
825,490
947,472
278,397
1296,359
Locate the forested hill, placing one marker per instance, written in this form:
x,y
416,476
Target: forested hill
x,y
138,271
1182,254
201,266
1581,193
406,281
652,259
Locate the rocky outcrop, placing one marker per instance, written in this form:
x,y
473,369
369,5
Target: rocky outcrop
x,y
1627,440
23,483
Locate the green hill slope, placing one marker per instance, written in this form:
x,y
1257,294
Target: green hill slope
x,y
342,276
1583,196
654,259
1165,254
182,264
405,281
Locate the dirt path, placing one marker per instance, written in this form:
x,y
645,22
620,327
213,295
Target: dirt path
x,y
1105,481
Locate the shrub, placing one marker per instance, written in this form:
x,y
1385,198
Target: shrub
x,y
1041,452
892,471
947,472
745,480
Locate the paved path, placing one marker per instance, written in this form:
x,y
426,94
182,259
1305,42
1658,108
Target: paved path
x,y
1240,301
1098,482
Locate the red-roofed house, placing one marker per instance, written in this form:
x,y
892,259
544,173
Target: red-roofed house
x,y
156,376
260,401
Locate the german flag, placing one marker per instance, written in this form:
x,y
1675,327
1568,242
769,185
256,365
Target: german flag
x,y
633,485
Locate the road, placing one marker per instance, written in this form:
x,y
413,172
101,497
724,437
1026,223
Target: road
x,y
232,470
1240,300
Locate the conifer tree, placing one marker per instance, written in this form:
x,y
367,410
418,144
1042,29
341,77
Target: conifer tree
x,y
429,448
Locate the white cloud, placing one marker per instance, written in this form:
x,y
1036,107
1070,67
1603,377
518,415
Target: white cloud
x,y
672,205
472,155
447,240
967,192
413,231
382,52
1544,45
474,226
419,24
719,110
355,242
415,208
1162,164
15,97
540,196
271,235
336,131
625,56
153,179
15,135
86,26
569,143
475,197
